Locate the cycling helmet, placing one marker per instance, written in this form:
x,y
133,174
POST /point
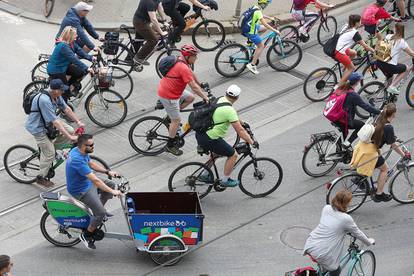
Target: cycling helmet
x,y
233,91
264,2
188,50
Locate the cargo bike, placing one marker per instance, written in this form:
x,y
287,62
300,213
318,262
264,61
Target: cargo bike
x,y
162,224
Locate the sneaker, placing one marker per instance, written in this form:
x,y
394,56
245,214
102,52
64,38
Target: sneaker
x,y
174,150
87,241
109,215
230,183
405,18
159,105
44,182
393,90
141,61
382,197
252,68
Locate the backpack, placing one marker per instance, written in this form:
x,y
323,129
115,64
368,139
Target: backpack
x,y
28,100
334,107
166,63
245,20
368,15
201,118
299,4
306,271
366,132
330,45
383,51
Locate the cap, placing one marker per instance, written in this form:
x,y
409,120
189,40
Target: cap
x,y
233,90
355,77
57,84
82,6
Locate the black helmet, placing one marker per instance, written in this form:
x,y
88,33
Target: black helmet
x,y
381,2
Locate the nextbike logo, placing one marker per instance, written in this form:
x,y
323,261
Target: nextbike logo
x,y
165,223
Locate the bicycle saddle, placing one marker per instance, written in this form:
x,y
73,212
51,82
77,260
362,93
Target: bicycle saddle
x,y
201,150
125,27
50,196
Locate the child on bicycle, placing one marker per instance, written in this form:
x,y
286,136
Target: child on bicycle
x,y
299,13
254,23
373,14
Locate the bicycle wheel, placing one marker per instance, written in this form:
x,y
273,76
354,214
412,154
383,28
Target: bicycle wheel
x,y
402,189
106,108
34,86
149,135
374,93
284,56
260,177
317,161
288,32
166,244
319,84
163,54
208,35
358,185
39,72
364,265
48,7
409,93
57,234
102,163
410,7
231,60
124,85
327,29
360,56
123,56
21,162
191,177
372,73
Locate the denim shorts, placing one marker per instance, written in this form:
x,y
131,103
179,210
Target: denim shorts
x,y
255,38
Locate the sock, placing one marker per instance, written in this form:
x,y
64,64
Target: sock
x,y
225,178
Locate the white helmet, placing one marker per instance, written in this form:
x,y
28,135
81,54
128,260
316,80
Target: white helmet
x,y
233,91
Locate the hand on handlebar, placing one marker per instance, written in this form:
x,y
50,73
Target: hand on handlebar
x,y
255,145
117,193
113,174
91,71
164,33
73,138
207,8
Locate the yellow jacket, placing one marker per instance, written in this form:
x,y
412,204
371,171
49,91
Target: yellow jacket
x,y
364,158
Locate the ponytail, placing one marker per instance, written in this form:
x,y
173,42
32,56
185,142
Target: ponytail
x,y
382,120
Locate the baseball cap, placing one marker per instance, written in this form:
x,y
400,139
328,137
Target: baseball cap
x,y
57,84
233,90
82,6
355,77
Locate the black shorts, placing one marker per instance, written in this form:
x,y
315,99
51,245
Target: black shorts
x,y
218,146
390,69
371,29
380,162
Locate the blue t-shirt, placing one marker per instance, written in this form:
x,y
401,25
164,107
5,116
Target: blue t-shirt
x,y
77,168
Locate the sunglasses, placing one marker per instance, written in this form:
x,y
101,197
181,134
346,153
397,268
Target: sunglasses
x,y
90,146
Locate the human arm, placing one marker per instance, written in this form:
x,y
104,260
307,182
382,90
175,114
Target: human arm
x,y
90,29
264,23
83,36
99,168
366,46
69,112
153,17
409,51
242,132
101,185
162,12
59,126
69,54
358,101
81,53
195,87
324,5
198,4
353,229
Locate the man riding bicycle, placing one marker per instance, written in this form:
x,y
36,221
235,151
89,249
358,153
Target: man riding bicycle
x,y
85,186
172,93
213,139
41,123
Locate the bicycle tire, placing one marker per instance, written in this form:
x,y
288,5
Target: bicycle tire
x,y
105,99
409,93
166,243
358,187
373,97
315,144
8,166
125,84
320,84
394,183
370,71
39,71
123,57
191,179
149,135
198,32
291,52
241,50
164,53
410,7
34,86
288,32
357,270
49,237
324,25
48,7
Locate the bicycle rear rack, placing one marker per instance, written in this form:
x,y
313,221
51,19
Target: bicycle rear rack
x,y
322,135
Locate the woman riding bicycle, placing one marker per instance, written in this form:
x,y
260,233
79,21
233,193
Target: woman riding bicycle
x,y
392,67
372,14
326,241
65,61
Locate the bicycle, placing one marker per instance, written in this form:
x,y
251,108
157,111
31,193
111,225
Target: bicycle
x,y
328,27
48,7
401,188
329,152
149,135
123,79
198,177
100,100
282,55
360,262
377,94
21,162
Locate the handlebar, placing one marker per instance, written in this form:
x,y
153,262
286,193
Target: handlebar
x,y
123,186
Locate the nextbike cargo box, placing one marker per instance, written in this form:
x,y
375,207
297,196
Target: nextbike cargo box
x,y
156,214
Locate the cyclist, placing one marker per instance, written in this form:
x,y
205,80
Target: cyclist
x,y
373,13
83,184
401,8
5,265
65,61
343,53
392,67
326,241
252,29
76,17
177,10
299,13
40,121
213,139
172,93
144,16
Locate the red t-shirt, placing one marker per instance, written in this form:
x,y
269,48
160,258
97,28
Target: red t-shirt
x,y
172,86
302,4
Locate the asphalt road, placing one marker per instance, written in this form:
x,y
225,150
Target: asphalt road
x,y
282,120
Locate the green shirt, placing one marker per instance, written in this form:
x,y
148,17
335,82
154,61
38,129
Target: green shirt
x,y
254,24
223,116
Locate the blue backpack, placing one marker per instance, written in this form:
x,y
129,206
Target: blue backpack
x,y
245,20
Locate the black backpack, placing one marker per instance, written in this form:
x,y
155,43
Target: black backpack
x,y
201,118
330,45
166,63
28,100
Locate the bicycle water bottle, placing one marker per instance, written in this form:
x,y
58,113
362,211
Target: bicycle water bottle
x,y
131,205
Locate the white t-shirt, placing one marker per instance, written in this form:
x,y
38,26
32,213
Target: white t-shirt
x,y
347,39
397,47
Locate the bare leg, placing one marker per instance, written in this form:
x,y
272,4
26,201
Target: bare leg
x,y
229,165
399,77
401,7
188,100
172,131
382,178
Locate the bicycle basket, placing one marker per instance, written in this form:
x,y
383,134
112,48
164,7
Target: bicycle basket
x,y
109,47
105,77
